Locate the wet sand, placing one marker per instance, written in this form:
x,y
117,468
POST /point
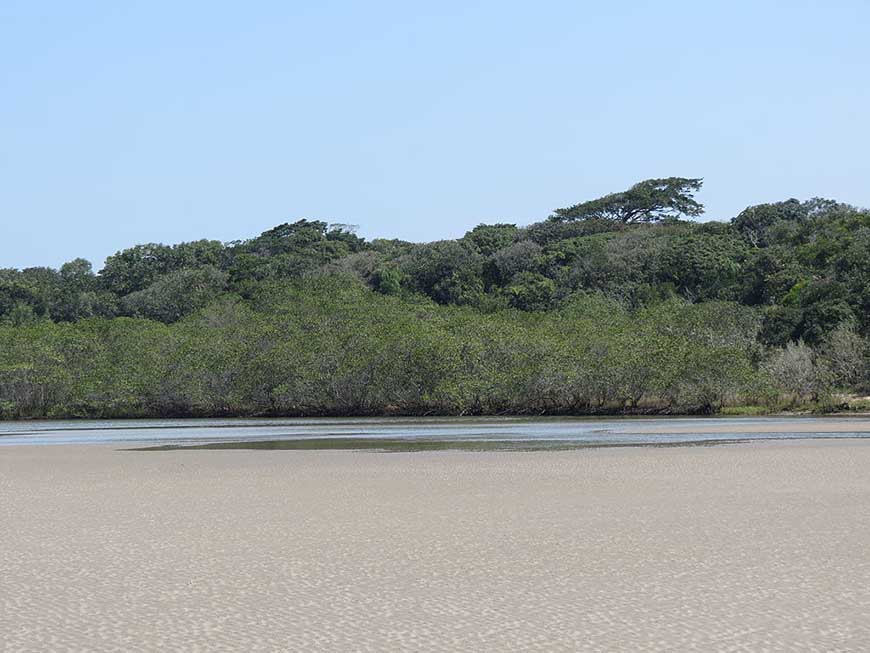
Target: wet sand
x,y
772,425
739,547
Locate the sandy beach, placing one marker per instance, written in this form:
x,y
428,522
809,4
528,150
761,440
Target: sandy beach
x,y
739,547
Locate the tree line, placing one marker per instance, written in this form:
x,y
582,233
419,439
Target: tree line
x,y
619,304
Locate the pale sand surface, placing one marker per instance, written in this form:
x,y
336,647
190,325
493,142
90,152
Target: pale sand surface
x,y
742,547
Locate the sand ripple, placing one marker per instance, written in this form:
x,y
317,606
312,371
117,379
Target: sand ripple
x,y
761,547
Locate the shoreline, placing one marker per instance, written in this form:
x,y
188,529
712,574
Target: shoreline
x,y
476,434
456,416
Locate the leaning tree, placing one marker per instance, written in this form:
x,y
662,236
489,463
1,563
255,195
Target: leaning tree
x,y
647,201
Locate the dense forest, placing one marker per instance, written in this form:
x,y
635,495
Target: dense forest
x,y
619,304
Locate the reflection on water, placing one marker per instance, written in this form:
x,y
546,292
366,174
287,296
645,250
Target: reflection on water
x,y
407,445
427,434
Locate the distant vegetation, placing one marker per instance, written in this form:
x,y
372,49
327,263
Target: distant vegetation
x,y
614,305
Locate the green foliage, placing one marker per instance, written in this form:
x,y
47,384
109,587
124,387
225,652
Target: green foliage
x,y
650,200
510,261
20,314
552,231
137,267
490,238
388,280
609,306
702,266
330,345
810,310
531,291
755,222
767,224
291,250
176,294
448,271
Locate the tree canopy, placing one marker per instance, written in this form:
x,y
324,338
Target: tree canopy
x,y
650,200
603,307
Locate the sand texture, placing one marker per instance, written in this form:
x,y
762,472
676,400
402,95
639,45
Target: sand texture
x,y
741,547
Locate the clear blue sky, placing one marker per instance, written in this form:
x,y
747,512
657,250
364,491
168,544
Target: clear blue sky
x,y
129,122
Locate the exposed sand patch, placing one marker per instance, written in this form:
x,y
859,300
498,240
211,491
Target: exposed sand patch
x,y
723,548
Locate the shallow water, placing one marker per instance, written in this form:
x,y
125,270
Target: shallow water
x,y
413,434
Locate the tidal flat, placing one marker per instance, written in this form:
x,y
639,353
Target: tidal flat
x,y
428,433
757,546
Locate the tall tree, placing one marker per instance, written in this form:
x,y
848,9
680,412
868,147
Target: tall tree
x,y
647,201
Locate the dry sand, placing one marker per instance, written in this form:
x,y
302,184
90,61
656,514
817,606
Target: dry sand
x,y
742,547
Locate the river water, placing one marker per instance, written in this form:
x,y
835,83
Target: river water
x,y
431,433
